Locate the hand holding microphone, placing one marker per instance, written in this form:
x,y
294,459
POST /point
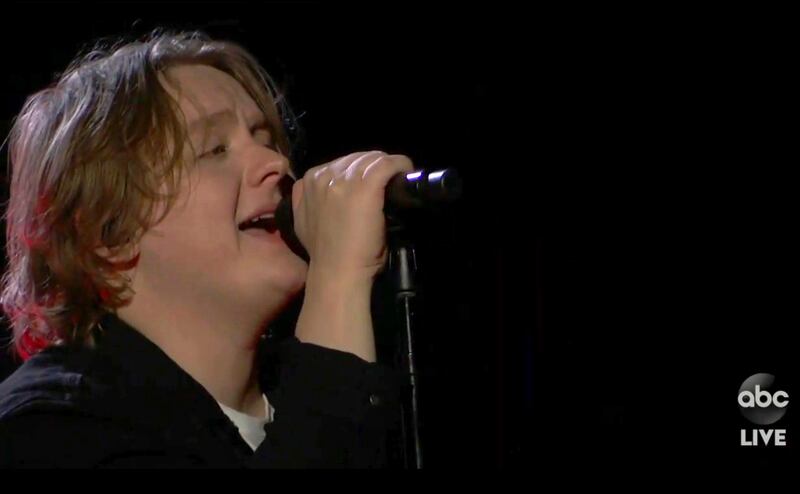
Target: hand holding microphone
x,y
404,190
335,218
337,209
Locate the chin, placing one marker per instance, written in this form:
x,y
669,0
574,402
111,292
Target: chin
x,y
292,279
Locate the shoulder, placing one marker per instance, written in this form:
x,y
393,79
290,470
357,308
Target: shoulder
x,y
50,380
76,408
42,439
39,407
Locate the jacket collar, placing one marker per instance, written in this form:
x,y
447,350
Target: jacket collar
x,y
152,386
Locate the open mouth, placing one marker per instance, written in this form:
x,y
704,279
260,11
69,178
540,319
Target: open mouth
x,y
265,222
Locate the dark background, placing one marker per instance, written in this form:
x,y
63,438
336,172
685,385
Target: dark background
x,y
625,254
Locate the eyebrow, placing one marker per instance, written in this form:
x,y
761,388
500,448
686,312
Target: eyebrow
x,y
214,119
210,121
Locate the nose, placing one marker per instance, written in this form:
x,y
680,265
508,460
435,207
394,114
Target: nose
x,y
265,167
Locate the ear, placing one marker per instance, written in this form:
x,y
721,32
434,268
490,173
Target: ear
x,y
121,255
125,257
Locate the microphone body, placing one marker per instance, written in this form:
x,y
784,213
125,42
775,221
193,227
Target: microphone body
x,y
404,191
421,189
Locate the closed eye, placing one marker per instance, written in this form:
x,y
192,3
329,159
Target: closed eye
x,y
215,151
262,134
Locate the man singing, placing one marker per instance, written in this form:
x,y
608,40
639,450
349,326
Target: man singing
x,y
144,269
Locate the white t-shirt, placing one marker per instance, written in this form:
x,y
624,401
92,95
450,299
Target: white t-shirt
x,y
251,428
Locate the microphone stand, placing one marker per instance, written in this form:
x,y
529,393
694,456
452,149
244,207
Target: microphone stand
x,y
410,192
402,271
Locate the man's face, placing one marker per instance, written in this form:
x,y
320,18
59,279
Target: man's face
x,y
198,254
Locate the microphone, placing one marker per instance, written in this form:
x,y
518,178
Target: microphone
x,y
420,189
405,191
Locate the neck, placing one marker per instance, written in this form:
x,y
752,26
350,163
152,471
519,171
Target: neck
x,y
217,348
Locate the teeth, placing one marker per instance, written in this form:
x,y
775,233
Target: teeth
x,y
267,216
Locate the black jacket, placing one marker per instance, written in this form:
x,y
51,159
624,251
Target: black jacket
x,y
125,403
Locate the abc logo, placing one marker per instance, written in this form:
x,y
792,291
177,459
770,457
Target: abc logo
x,y
758,404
